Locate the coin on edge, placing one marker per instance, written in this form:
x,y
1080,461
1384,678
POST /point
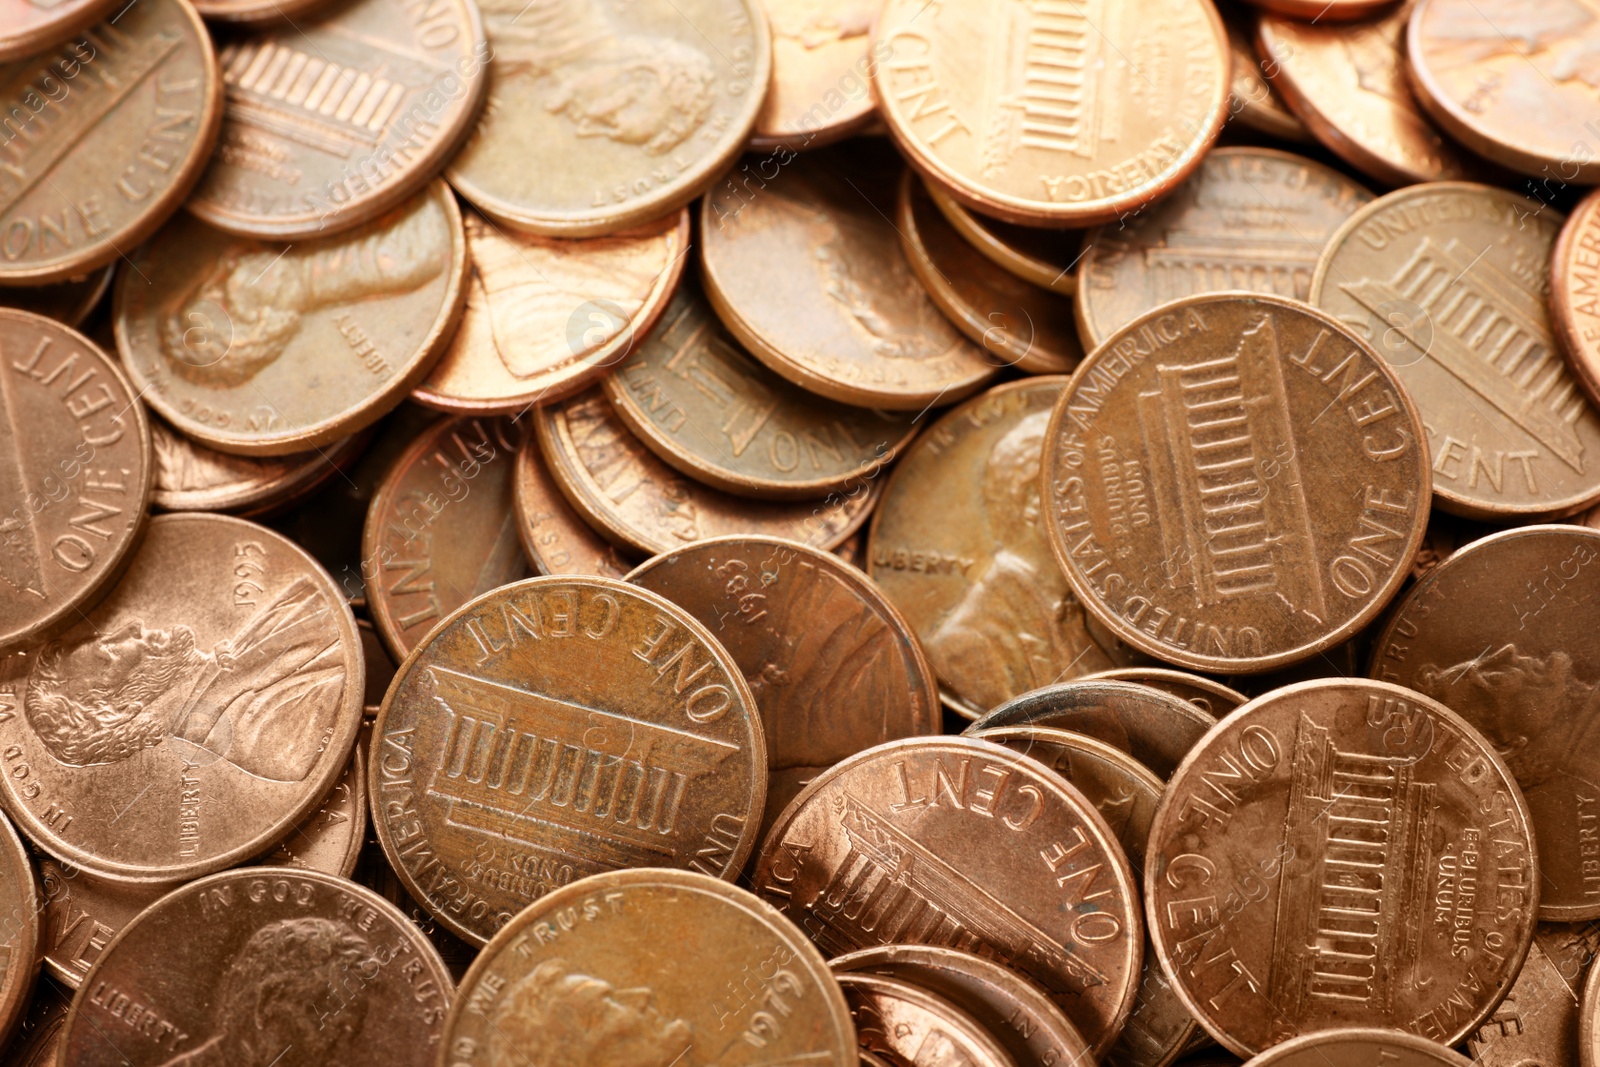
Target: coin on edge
x,y
1209,695
21,933
30,27
905,1022
821,73
1360,1047
69,302
191,477
1574,281
555,539
1044,257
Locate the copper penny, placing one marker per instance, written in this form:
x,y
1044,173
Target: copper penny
x,y
555,539
193,717
1449,283
330,838
821,73
256,10
637,501
1056,115
1016,322
442,528
263,965
75,471
68,302
834,668
1252,100
1341,852
38,1037
1360,1047
1574,283
1235,482
1249,219
594,974
914,1027
266,349
956,842
1332,11
21,932
1589,1020
191,477
1506,632
959,546
851,322
1538,1022
31,26
697,400
604,114
1210,696
334,120
546,316
557,728
1044,257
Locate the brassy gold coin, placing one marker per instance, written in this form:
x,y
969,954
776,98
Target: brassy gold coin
x,y
28,27
1360,1047
554,537
1235,482
20,930
188,722
557,728
821,73
604,114
645,968
910,1025
1337,853
1044,257
263,965
267,349
191,477
1101,116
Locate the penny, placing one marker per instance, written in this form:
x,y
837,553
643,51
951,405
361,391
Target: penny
x,y
1099,119
851,322
1574,312
1538,1021
917,1028
264,349
1249,219
1449,283
20,934
1347,84
1252,100
256,10
640,503
1341,852
546,316
1333,11
68,302
1506,633
336,119
834,668
1235,482
959,546
38,1037
192,718
565,726
1044,257
1016,322
1589,1020
604,114
442,528
589,975
698,401
30,27
821,72
956,842
1211,697
374,872
191,477
1359,1047
259,963
331,837
554,538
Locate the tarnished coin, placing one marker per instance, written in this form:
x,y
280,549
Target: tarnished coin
x,y
1053,114
1589,1021
256,10
1044,257
259,963
697,400
1252,100
1341,852
191,477
1574,286
554,538
442,528
834,668
637,501
906,1023
38,1037
1347,83
557,728
200,711
1506,633
821,73
68,302
958,544
1448,281
334,120
75,472
1249,219
265,349
1360,1047
649,967
546,316
605,114
851,322
1210,696
1538,1021
20,931
28,27
1235,482
105,134
956,842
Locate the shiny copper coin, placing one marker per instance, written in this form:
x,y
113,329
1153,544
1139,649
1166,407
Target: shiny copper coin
x,y
546,316
1249,219
851,322
1506,633
1448,282
21,931
914,1027
336,119
200,711
1235,483
1054,115
1044,257
637,501
697,400
265,349
956,842
256,10
1252,100
442,528
330,839
68,302
605,114
1341,852
38,1037
557,728
75,471
1360,1047
191,477
1538,1023
1331,11
1574,288
1210,696
959,546
821,73
28,27
554,538
259,963
1589,1021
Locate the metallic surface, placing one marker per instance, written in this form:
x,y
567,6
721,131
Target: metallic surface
x,y
1574,313
191,477
555,539
1210,696
21,931
1044,257
821,65
915,1027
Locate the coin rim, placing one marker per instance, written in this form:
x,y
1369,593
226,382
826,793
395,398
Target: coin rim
x,y
1582,359
1444,1057
526,530
987,243
1205,684
1589,1019
267,499
28,45
235,13
28,952
947,1011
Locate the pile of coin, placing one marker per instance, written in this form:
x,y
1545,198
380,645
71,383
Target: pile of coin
x,y
799,533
